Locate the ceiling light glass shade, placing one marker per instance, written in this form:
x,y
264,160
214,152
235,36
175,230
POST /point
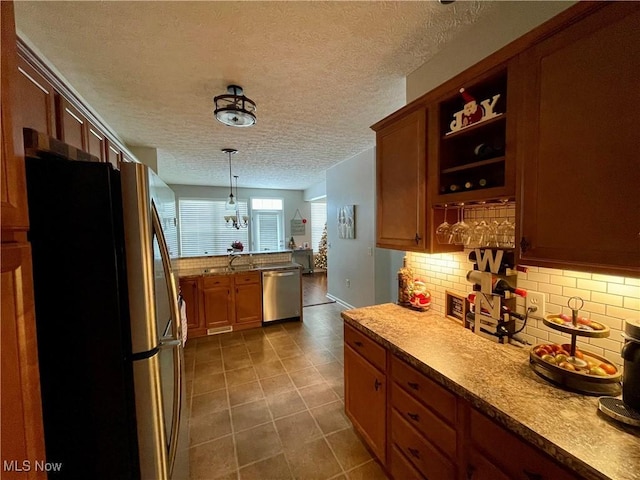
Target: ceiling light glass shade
x,y
234,109
231,203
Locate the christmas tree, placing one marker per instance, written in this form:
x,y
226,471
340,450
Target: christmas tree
x,y
321,256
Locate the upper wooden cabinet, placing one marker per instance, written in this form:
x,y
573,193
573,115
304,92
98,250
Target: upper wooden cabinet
x,y
578,145
96,142
473,157
401,158
114,154
36,99
72,124
13,184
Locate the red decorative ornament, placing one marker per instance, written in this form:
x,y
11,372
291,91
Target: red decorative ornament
x,y
304,220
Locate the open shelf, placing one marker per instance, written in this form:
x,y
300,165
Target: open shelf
x,y
480,163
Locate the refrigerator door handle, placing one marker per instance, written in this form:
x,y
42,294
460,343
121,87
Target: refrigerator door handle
x,y
176,336
169,342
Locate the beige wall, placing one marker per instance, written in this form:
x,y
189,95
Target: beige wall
x,y
505,22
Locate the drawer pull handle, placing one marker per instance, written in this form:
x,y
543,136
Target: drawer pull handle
x,y
413,385
531,475
413,416
358,343
414,452
377,384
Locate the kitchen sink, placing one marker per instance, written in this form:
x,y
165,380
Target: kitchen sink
x,y
219,270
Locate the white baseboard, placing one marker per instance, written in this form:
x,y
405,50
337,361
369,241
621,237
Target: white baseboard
x,y
340,302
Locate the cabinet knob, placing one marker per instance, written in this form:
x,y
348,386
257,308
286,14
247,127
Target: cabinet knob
x,y
358,343
413,385
418,238
524,244
413,416
415,453
377,384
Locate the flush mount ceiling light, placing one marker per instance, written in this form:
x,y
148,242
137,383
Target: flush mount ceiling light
x,y
234,109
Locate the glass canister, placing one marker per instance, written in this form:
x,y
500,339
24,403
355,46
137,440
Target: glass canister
x,y
405,284
631,371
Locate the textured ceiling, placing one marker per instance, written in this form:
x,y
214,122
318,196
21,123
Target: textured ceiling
x,y
320,73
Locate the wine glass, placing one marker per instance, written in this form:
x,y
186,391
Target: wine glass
x,y
443,232
460,230
506,231
479,236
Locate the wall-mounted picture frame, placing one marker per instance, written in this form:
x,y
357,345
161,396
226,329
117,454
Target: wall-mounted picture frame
x,y
456,307
347,222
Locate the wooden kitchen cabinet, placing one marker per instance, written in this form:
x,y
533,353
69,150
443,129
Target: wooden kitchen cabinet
x,y
222,301
20,403
401,163
190,293
579,206
476,162
96,142
248,299
366,389
72,124
113,154
423,422
36,99
522,462
216,301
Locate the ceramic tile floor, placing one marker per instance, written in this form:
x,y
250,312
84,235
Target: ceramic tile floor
x,y
268,404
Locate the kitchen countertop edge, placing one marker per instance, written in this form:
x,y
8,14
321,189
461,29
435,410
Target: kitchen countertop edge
x,y
357,318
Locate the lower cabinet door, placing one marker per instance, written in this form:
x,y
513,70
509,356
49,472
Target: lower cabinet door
x,y
217,306
365,400
249,303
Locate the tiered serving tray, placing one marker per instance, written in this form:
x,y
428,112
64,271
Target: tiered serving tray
x,y
572,368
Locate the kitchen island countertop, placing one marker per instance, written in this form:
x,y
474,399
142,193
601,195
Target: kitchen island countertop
x,y
497,380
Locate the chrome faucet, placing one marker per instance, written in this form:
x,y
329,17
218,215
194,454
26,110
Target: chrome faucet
x,y
232,257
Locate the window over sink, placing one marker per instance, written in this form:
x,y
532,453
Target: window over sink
x,y
203,230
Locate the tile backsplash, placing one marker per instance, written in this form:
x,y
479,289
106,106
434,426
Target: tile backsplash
x,y
607,299
217,261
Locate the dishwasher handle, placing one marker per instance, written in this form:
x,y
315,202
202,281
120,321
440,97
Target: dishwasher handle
x,y
280,274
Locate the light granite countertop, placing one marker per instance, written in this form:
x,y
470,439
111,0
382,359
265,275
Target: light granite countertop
x,y
497,380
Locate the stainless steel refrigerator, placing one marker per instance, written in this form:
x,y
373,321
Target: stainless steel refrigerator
x,y
107,319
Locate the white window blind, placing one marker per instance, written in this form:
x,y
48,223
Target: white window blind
x,y
268,227
267,223
203,230
318,221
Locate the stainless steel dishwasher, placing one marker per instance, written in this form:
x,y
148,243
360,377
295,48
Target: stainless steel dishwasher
x,y
281,295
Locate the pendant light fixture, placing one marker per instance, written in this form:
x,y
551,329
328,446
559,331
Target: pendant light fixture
x,y
232,216
234,109
231,203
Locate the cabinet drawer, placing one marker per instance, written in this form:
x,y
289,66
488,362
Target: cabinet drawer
x,y
427,391
523,462
401,468
366,347
247,277
424,420
420,452
216,281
